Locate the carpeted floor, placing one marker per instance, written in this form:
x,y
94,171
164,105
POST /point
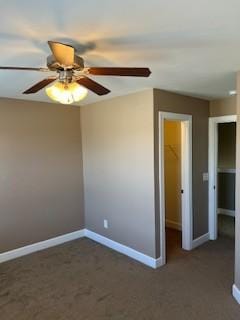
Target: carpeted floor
x,y
84,280
174,244
226,226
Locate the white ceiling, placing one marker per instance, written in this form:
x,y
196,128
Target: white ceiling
x,y
192,47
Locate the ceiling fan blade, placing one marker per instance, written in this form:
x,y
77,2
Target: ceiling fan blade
x,y
93,86
40,85
130,72
24,68
63,53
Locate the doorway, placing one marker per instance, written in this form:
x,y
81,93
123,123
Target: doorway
x,y
222,156
175,178
172,180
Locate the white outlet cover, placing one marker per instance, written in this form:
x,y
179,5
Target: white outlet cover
x,y
105,223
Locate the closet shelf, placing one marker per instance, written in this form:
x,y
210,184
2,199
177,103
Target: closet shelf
x,y
226,170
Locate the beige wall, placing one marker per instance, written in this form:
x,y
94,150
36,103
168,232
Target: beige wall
x,y
237,211
119,166
41,169
172,168
118,160
41,172
223,107
199,109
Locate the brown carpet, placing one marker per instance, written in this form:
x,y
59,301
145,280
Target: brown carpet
x,y
174,244
226,226
84,280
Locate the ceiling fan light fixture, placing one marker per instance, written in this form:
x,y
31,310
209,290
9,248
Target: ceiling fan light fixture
x,y
66,93
72,86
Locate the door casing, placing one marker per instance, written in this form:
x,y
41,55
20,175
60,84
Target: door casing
x,y
186,180
212,171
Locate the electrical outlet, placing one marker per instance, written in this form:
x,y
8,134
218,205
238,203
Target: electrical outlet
x,y
105,223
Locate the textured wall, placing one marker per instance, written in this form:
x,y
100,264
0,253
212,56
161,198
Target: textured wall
x,y
223,107
118,161
41,189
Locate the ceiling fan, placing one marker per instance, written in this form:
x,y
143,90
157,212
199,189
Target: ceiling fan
x,y
72,78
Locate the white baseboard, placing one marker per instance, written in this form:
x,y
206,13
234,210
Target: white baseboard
x,y
236,293
19,252
201,240
227,212
149,261
173,225
158,262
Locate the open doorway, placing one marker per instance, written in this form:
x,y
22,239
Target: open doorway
x,y
226,179
175,181
222,158
172,179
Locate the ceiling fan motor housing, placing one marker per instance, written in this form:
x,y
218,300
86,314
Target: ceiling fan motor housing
x,y
54,65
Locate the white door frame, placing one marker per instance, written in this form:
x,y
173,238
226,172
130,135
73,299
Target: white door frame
x,y
186,180
212,171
